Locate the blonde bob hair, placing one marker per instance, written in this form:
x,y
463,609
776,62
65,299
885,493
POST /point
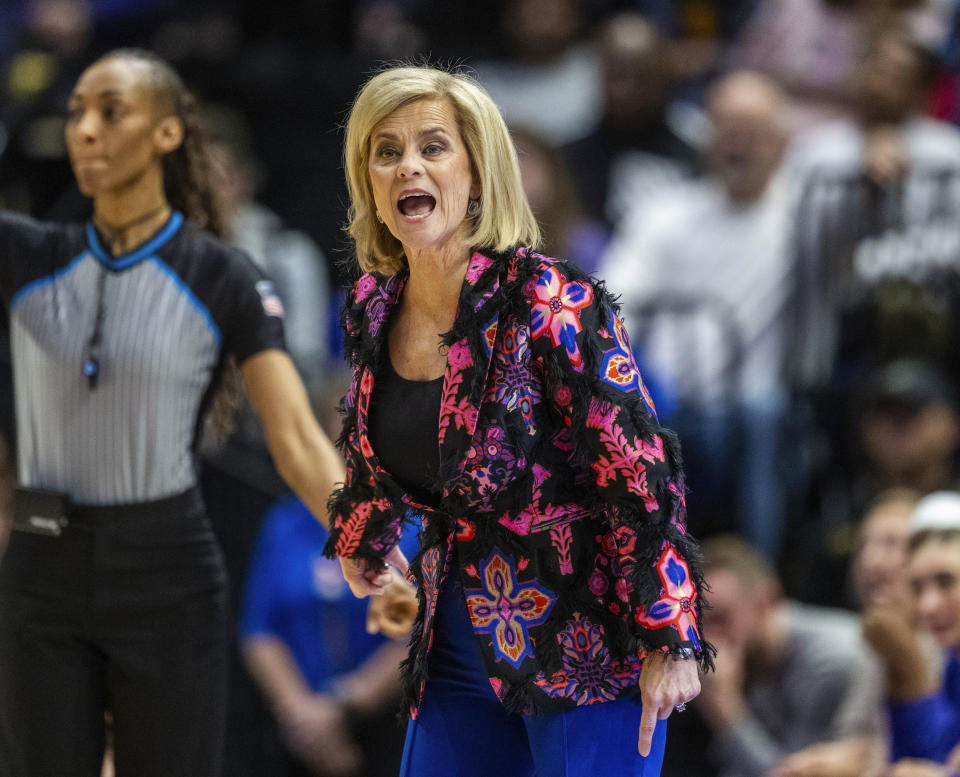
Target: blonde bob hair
x,y
505,218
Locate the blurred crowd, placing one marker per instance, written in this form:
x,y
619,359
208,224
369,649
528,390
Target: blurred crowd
x,y
773,189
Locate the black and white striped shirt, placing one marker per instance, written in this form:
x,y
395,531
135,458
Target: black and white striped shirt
x,y
174,308
855,240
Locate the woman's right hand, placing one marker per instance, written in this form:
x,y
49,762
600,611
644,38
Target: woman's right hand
x,y
364,579
367,580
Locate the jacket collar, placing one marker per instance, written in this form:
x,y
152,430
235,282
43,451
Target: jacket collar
x,y
470,349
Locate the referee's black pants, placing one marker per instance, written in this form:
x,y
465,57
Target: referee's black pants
x,y
126,612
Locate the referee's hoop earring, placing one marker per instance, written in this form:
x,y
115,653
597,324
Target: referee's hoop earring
x,y
473,208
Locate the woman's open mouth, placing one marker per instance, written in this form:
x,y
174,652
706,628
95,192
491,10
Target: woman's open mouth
x,y
416,206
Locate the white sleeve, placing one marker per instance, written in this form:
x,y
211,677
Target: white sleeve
x,y
633,263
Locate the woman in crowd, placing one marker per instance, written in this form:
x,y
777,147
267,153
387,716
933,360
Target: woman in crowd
x,y
112,588
495,400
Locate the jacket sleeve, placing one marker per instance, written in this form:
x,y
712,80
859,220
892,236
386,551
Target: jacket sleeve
x,y
634,465
364,522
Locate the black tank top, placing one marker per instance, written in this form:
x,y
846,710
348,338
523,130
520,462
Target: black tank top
x,y
403,428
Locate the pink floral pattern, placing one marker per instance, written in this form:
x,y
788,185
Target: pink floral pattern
x,y
541,518
562,396
613,568
679,518
455,408
380,302
350,398
510,384
365,287
625,460
478,264
459,356
556,308
561,537
490,462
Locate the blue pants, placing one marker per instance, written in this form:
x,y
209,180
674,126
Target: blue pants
x,y
464,731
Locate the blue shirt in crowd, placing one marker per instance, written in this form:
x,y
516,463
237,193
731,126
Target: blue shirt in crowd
x,y
296,595
929,727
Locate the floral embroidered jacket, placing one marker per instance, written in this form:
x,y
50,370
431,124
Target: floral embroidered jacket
x,y
562,493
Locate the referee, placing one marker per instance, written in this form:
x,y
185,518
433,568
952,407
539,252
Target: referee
x,y
112,590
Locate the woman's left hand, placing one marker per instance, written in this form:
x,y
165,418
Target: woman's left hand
x,y
665,682
393,613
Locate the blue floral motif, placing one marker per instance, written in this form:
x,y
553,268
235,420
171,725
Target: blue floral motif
x,y
506,609
490,462
588,675
381,302
511,385
619,368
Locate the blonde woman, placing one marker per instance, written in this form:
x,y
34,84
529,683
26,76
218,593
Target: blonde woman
x,y
496,405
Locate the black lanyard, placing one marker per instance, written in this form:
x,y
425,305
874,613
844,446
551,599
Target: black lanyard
x,y
91,353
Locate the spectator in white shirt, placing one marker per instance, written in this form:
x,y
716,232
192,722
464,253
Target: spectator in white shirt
x,y
706,279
